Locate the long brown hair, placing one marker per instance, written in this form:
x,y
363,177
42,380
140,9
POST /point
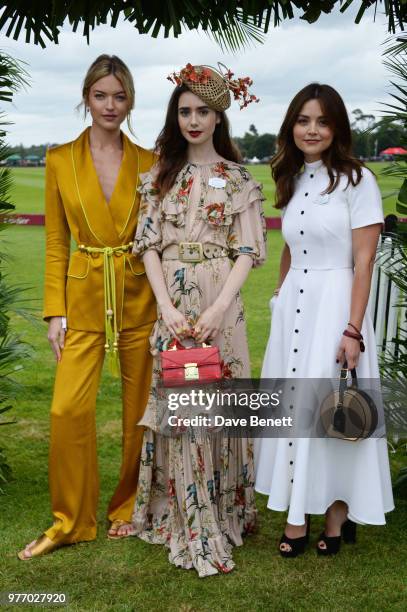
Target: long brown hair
x,y
338,158
172,148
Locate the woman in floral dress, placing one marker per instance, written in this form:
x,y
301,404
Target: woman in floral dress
x,y
195,491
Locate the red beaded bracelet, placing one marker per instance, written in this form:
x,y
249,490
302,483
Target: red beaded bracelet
x,y
358,336
355,328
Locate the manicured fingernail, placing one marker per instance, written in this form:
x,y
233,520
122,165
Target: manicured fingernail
x,y
337,361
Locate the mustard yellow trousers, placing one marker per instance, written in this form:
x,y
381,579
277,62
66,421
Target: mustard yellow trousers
x,y
73,473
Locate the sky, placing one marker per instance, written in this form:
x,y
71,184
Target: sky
x,y
334,50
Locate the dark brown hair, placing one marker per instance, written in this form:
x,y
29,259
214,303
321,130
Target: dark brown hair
x,y
172,148
338,158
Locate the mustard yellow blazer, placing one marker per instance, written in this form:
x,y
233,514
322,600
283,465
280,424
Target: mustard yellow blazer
x,y
76,207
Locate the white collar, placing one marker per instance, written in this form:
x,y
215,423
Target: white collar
x,y
313,166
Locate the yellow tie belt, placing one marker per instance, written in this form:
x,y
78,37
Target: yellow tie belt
x,y
109,283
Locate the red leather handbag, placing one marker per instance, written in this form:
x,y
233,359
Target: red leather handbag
x,y
190,366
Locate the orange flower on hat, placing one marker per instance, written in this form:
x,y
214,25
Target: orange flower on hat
x,y
190,73
240,90
196,76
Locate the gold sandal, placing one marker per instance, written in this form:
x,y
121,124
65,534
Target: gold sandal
x,y
42,546
115,526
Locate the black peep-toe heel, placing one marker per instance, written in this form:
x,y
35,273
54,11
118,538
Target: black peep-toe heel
x,y
349,532
297,545
333,544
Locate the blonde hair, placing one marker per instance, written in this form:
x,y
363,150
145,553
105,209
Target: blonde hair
x,y
103,66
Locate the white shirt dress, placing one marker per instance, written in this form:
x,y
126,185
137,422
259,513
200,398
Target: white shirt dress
x,y
308,317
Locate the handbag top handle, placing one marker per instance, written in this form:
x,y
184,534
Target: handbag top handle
x,y
343,380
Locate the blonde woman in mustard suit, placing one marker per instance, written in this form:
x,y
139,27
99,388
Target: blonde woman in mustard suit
x,y
103,293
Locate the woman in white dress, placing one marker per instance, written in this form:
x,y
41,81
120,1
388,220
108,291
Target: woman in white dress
x,y
332,217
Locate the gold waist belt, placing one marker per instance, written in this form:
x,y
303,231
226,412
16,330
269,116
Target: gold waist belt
x,y
193,252
109,285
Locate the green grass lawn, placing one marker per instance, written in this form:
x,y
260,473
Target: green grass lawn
x,y
28,191
131,575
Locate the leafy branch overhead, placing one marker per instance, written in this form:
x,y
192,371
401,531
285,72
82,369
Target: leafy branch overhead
x,y
232,23
13,77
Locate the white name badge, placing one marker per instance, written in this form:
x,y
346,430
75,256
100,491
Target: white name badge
x,y
217,182
322,199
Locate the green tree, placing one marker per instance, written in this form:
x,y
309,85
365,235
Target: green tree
x,y
370,136
253,144
265,145
363,139
388,134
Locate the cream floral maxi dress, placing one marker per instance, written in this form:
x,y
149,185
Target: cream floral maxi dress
x,y
195,491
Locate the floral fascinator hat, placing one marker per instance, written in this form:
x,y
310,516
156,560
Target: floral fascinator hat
x,y
214,86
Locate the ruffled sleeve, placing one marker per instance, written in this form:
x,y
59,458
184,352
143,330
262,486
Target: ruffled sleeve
x,y
148,233
365,201
175,203
247,234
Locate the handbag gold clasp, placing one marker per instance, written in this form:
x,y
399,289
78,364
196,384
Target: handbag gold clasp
x,y
191,371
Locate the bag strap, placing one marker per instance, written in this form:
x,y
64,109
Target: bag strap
x,y
343,380
197,345
339,417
